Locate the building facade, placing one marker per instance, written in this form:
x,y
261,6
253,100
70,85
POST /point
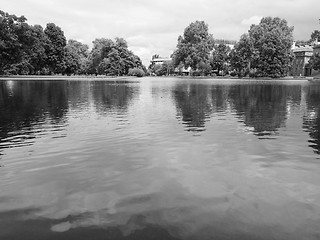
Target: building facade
x,y
300,66
160,60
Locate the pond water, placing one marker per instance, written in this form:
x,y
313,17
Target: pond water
x,y
159,158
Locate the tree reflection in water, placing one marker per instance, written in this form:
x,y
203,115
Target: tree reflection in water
x,y
311,121
25,105
112,97
196,102
263,107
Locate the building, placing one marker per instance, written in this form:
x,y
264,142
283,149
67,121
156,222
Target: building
x,y
302,55
159,60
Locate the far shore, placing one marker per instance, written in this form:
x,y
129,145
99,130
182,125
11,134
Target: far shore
x,y
133,78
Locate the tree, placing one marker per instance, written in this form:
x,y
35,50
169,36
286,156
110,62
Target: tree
x,y
75,58
11,51
112,57
220,57
38,57
315,36
194,47
137,72
272,40
241,55
55,47
314,62
100,46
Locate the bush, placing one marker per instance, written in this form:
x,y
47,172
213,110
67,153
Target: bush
x,y
233,73
136,72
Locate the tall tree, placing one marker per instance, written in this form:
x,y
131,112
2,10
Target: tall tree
x,y
38,57
272,40
242,55
76,57
315,36
194,47
101,46
314,62
220,57
55,47
112,57
11,49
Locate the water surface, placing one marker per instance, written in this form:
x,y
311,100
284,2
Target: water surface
x,y
160,158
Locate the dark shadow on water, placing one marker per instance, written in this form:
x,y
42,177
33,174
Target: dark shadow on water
x,y
26,105
18,225
112,97
263,106
197,102
311,121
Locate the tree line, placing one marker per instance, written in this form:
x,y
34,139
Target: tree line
x,y
265,51
31,50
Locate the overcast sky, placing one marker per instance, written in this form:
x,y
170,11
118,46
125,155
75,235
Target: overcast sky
x,y
153,26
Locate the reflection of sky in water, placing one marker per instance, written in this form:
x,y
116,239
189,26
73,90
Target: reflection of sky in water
x,y
129,164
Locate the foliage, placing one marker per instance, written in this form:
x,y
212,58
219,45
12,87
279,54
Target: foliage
x,y
55,48
315,36
164,69
272,40
194,47
137,72
241,55
220,57
76,57
11,49
27,49
314,62
112,57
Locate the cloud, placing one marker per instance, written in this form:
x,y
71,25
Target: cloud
x,y
251,20
152,27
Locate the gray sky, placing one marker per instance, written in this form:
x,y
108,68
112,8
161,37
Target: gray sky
x,y
153,26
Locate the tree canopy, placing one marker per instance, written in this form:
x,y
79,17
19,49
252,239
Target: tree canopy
x,y
27,49
272,41
242,55
266,50
194,47
220,57
110,57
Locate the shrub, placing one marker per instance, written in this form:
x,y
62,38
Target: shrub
x,y
136,72
233,73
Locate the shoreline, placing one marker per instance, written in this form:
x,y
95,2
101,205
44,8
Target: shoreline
x,y
133,78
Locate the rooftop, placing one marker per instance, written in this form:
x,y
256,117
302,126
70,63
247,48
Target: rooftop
x,y
305,48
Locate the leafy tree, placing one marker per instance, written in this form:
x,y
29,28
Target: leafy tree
x,y
194,46
241,55
156,69
220,57
112,65
37,55
136,72
168,67
100,45
11,51
75,58
314,62
162,69
112,57
315,36
55,47
71,61
272,40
